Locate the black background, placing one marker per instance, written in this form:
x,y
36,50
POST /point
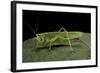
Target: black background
x,y
47,21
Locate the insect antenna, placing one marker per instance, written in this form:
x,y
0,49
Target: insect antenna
x,y
36,26
30,27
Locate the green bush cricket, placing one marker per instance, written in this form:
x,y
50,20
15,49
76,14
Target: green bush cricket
x,y
48,39
61,37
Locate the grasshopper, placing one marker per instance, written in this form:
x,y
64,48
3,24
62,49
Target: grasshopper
x,y
61,37
49,39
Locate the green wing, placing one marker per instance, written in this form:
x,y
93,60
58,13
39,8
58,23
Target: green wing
x,y
73,35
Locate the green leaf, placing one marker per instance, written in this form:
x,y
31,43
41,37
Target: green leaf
x,y
57,53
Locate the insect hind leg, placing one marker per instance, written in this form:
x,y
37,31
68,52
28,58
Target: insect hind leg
x,y
70,45
62,29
